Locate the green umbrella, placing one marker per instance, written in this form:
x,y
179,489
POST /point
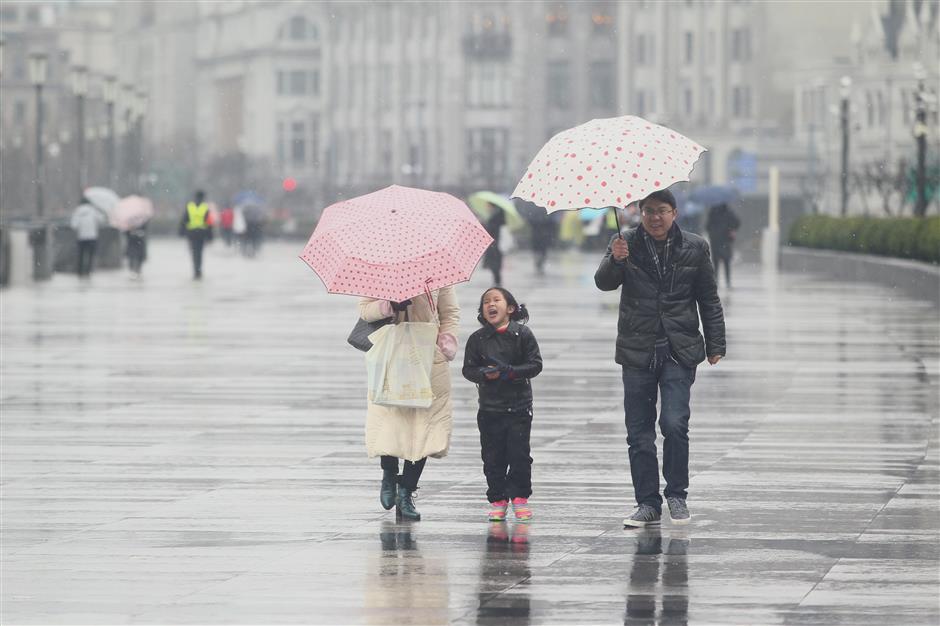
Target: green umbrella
x,y
478,202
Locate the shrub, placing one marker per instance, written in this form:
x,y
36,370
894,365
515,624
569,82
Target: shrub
x,y
901,237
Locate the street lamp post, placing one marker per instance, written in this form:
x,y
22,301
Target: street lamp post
x,y
139,137
920,134
846,85
80,88
128,101
109,92
38,69
39,234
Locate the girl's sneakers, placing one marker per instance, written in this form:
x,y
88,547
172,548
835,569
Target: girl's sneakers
x,y
498,510
520,507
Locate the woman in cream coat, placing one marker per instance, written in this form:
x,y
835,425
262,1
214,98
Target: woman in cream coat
x,y
413,434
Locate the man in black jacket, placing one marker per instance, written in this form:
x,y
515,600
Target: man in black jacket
x,y
667,282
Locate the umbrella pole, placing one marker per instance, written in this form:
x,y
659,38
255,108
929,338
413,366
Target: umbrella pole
x,y
617,217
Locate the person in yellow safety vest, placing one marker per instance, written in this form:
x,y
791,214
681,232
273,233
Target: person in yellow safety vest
x,y
196,226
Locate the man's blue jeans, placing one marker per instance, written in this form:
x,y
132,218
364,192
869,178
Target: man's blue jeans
x,y
674,384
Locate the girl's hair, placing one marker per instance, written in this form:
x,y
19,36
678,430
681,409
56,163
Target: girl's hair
x,y
520,314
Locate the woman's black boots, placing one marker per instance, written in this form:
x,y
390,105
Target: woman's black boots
x,y
389,491
405,505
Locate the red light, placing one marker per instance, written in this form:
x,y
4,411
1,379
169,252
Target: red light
x,y
289,184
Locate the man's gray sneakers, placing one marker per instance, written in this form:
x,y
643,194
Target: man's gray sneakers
x,y
678,511
643,515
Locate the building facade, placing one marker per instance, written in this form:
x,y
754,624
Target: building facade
x,y
892,65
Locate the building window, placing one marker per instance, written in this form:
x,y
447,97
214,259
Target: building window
x,y
9,14
710,96
710,54
19,112
687,100
601,78
281,144
489,84
148,13
32,15
298,143
557,21
741,101
487,153
385,83
298,28
740,44
385,151
603,21
314,138
645,49
640,102
558,85
689,47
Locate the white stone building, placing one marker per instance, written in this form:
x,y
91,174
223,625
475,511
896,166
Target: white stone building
x,y
895,48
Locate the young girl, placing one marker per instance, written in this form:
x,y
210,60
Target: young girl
x,y
500,358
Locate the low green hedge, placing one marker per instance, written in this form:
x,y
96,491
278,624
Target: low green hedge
x,y
901,237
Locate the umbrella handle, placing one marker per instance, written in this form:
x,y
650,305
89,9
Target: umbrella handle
x,y
427,292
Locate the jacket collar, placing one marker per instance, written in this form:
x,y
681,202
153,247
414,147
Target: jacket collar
x,y
513,327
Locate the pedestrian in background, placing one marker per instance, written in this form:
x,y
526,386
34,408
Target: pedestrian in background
x,y
413,434
493,259
195,225
666,282
501,358
136,248
86,221
225,225
543,228
722,225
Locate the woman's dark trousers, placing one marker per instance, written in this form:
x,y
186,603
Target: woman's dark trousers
x,y
722,254
86,256
411,473
504,445
674,383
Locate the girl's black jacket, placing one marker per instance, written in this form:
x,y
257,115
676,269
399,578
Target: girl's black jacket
x,y
516,353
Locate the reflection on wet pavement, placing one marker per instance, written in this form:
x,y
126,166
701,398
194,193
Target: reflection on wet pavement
x,y
178,452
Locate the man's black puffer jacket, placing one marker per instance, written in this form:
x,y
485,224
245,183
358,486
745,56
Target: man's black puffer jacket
x,y
516,347
645,299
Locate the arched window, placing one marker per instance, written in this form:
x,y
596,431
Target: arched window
x,y
299,28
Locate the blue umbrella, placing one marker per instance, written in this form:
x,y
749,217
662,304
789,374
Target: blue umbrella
x,y
714,194
247,198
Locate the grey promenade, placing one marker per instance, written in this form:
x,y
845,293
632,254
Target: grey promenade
x,y
180,452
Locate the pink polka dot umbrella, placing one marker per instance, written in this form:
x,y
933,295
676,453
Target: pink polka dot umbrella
x,y
607,162
395,243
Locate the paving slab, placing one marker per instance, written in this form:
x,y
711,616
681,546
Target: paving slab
x,y
175,451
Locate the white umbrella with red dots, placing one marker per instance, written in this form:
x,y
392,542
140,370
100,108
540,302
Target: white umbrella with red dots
x,y
610,162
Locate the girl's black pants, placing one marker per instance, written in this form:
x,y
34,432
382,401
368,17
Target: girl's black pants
x,y
504,445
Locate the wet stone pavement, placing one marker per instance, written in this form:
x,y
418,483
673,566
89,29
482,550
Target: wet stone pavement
x,y
180,452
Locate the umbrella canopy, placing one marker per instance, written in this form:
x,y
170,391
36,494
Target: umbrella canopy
x,y
131,212
478,202
714,194
395,243
607,162
102,198
247,198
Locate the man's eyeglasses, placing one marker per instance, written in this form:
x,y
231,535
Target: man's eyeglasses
x,y
651,212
